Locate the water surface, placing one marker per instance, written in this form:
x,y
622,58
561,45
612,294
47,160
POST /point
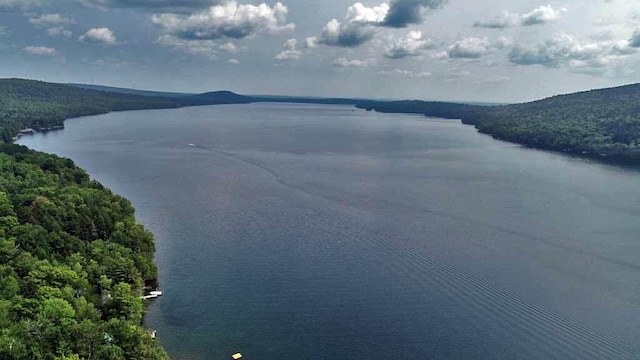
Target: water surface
x,y
323,232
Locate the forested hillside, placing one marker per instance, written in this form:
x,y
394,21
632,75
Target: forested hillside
x,y
599,123
73,264
39,105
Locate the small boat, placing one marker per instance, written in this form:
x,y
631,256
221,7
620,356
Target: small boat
x,y
236,356
192,145
152,295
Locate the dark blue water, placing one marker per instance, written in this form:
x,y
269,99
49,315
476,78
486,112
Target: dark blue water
x,y
320,232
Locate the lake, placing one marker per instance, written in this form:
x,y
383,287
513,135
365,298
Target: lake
x,y
324,232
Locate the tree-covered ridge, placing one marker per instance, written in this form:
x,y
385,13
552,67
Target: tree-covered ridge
x,y
602,123
40,105
73,264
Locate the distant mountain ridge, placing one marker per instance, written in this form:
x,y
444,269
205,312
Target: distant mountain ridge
x,y
601,123
119,90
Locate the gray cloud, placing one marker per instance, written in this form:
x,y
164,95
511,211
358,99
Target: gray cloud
x,y
635,39
538,16
360,23
413,44
566,50
226,21
402,13
356,28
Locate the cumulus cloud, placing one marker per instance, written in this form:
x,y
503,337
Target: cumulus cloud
x,y
407,73
541,15
538,16
360,22
228,47
290,51
51,20
344,63
311,42
402,13
566,50
413,44
355,29
99,36
470,48
41,51
229,20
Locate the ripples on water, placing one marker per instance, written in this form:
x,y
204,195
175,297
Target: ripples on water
x,y
319,232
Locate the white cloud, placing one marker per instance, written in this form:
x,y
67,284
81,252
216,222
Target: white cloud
x,y
233,61
541,15
59,31
99,35
41,51
311,42
538,16
228,47
343,62
229,20
470,48
51,20
567,50
413,44
407,73
290,51
360,22
356,27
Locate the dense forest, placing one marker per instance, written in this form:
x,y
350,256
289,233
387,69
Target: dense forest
x,y
73,264
601,123
40,105
73,261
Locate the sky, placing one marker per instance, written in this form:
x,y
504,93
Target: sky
x,y
456,50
